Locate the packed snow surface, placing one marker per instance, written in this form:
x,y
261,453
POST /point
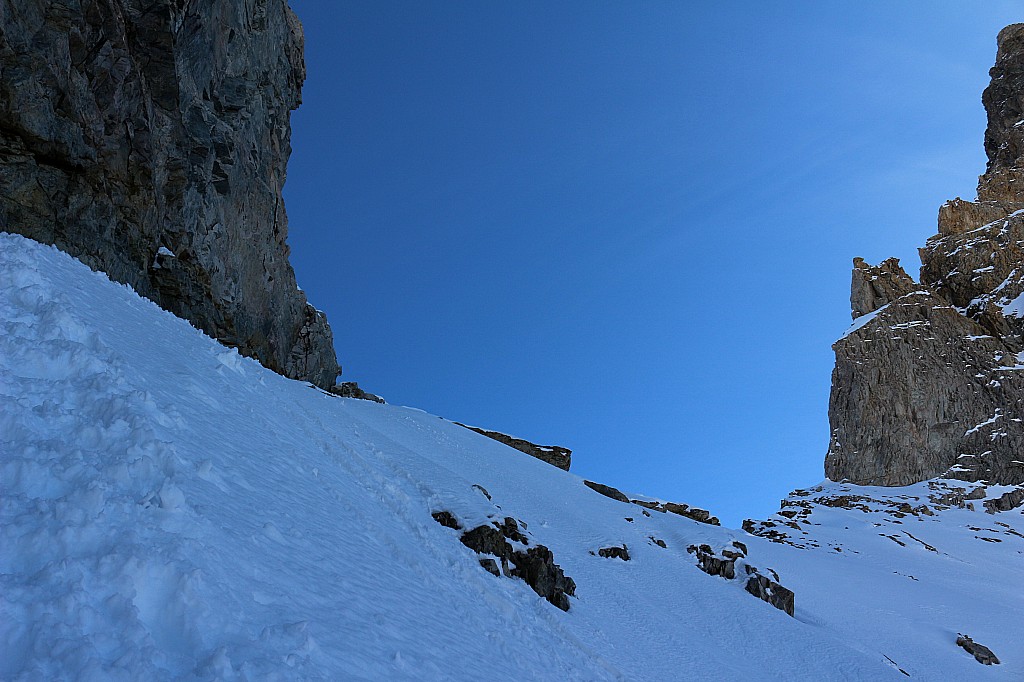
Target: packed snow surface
x,y
171,510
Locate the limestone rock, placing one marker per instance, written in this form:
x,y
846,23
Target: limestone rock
x,y
552,454
711,563
149,139
929,381
537,567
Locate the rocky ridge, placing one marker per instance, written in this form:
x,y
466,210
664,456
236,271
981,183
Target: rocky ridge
x,y
929,380
150,140
555,455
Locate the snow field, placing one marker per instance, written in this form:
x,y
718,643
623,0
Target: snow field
x,y
171,510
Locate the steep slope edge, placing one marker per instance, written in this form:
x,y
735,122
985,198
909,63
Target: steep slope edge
x,y
150,139
172,511
929,380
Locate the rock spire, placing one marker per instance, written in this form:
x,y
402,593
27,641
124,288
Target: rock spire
x,y
929,381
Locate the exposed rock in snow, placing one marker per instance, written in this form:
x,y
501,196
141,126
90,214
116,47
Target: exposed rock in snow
x,y
614,553
982,654
607,491
554,455
723,564
350,389
1005,502
534,565
695,513
923,552
770,591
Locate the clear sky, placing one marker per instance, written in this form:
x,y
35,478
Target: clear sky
x,y
626,227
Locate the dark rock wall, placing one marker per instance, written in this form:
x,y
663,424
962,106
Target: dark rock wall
x,y
127,126
932,381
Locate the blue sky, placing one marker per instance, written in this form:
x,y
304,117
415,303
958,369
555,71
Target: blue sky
x,y
626,228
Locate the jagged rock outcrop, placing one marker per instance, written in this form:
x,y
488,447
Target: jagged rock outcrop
x,y
350,389
982,654
614,552
554,455
929,380
723,564
607,491
533,565
150,139
695,513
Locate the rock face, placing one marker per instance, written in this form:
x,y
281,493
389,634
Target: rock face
x,y
149,139
554,455
929,380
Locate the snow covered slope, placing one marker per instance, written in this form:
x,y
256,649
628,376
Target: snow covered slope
x,y
171,510
904,571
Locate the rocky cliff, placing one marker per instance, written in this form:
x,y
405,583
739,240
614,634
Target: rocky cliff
x,y
929,381
149,138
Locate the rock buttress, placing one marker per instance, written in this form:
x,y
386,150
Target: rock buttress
x,y
150,140
930,379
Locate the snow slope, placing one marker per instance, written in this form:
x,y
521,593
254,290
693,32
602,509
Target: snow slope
x,y
909,571
171,510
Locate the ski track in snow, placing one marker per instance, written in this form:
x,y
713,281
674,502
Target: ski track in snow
x,y
171,510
